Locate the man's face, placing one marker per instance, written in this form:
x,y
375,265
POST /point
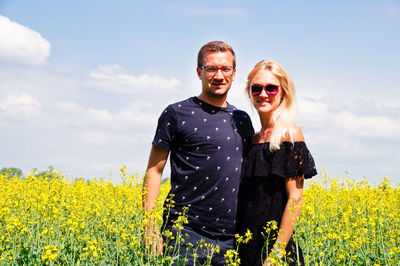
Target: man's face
x,y
217,84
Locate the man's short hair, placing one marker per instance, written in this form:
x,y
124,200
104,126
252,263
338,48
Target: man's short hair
x,y
214,46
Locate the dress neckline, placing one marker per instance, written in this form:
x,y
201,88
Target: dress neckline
x,y
268,142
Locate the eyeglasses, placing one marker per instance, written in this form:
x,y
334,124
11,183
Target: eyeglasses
x,y
271,90
212,70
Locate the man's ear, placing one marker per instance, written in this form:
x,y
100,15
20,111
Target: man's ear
x,y
234,74
198,72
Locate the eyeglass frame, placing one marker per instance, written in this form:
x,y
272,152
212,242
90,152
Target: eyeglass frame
x,y
219,68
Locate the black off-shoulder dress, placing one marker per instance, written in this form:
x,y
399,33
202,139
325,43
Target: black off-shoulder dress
x,y
262,196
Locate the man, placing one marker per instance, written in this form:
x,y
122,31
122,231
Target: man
x,y
205,136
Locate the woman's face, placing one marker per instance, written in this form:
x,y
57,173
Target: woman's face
x,y
266,102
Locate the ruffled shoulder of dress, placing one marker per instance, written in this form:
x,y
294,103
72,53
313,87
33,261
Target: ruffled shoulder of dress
x,y
291,160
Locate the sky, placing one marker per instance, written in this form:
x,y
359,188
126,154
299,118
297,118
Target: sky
x,y
82,83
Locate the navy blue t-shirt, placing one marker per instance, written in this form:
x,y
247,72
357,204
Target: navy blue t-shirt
x,y
206,147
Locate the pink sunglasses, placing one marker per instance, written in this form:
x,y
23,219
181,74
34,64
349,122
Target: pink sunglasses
x,y
271,90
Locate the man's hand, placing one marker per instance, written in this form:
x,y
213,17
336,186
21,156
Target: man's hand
x,y
153,240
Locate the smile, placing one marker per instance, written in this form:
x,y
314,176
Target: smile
x,y
263,102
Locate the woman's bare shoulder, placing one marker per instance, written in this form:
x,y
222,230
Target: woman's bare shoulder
x,y
295,135
298,134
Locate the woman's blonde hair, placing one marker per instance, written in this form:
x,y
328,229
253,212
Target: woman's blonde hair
x,y
284,116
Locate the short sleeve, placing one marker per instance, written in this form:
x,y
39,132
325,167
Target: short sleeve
x,y
166,128
250,127
243,123
293,160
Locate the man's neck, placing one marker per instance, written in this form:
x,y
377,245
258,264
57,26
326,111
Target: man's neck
x,y
217,102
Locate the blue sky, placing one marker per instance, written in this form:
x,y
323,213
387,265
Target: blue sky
x,y
82,83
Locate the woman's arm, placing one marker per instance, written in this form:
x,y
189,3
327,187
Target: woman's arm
x,y
294,190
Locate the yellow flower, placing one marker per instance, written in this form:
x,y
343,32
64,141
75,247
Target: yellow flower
x,y
96,220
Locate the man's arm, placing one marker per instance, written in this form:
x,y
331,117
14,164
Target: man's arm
x,y
151,190
152,182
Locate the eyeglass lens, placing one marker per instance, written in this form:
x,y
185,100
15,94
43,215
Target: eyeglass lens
x,y
212,70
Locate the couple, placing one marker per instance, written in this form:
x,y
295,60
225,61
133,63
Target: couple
x,y
214,148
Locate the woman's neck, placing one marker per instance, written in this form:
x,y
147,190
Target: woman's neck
x,y
267,123
267,126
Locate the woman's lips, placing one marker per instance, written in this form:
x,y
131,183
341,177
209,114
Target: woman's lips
x,y
263,102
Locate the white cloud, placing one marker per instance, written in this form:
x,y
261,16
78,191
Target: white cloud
x,y
138,113
69,107
96,137
110,69
335,116
311,106
76,127
393,103
100,116
108,137
368,126
21,44
113,169
113,78
71,114
20,106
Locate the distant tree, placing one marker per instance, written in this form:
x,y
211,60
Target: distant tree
x,y
76,180
12,172
164,180
48,173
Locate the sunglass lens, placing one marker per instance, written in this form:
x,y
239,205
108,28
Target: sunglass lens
x,y
256,90
271,89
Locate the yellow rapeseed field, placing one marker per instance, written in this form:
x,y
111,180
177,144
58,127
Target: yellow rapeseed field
x,y
52,220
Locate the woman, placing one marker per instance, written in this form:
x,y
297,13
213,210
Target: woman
x,y
275,166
